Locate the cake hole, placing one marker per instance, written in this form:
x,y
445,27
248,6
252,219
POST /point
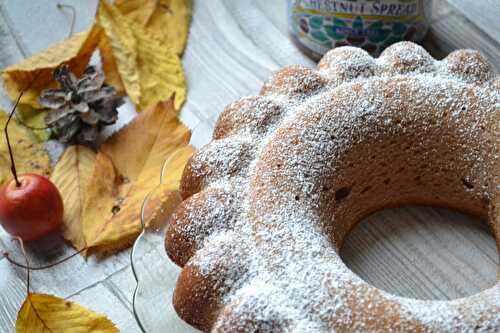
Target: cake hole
x,y
387,181
424,253
467,184
297,198
342,193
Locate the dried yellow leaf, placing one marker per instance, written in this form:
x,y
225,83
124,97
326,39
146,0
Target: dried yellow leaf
x,y
169,19
149,69
127,168
138,10
29,155
42,313
35,73
103,198
72,175
109,66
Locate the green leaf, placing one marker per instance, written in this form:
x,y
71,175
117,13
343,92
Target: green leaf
x,y
33,119
316,22
319,36
398,28
380,37
339,22
376,25
392,40
357,24
332,32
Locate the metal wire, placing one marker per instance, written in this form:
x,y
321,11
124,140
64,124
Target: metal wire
x,y
143,232
132,262
139,238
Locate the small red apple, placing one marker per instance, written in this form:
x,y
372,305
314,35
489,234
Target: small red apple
x,y
31,208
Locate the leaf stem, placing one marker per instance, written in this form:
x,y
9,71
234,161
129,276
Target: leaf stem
x,y
41,268
28,278
28,270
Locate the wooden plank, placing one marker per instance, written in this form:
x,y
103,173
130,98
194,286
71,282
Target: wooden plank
x,y
438,10
232,49
157,275
221,63
97,298
444,37
12,294
256,27
39,24
275,12
65,279
423,253
103,301
73,278
8,44
10,52
483,14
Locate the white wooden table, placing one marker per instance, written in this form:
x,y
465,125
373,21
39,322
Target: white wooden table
x,y
233,46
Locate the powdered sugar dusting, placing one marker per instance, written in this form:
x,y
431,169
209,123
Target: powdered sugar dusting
x,y
287,159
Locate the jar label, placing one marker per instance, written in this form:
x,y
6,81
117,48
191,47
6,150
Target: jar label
x,y
373,25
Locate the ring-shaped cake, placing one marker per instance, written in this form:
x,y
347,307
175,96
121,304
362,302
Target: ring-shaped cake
x,y
290,172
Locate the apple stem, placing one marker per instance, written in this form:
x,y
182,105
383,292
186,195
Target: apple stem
x,y
6,130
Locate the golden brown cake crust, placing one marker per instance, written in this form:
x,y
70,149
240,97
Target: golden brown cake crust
x,y
270,200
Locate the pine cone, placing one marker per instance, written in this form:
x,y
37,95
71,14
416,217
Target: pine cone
x,y
80,108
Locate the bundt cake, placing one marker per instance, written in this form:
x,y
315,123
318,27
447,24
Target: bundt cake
x,y
289,173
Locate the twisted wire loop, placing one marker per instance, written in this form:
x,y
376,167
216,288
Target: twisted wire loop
x,y
132,261
143,219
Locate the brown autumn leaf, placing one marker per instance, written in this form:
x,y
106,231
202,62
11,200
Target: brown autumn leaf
x,y
148,68
72,175
169,19
35,73
137,153
104,191
41,313
29,154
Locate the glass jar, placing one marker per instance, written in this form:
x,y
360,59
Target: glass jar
x,y
317,26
